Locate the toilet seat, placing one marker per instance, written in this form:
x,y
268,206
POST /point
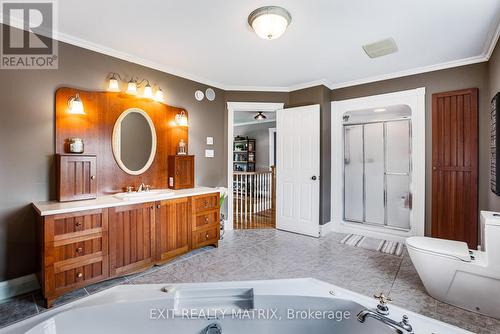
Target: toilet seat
x,y
449,248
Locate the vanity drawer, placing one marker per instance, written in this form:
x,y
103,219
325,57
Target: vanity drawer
x,y
70,248
205,202
205,237
77,224
71,274
206,219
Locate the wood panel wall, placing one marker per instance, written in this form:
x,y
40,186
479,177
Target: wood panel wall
x,y
102,109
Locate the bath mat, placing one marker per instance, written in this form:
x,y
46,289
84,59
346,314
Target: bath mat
x,y
379,245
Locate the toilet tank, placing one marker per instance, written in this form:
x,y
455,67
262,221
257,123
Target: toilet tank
x,y
490,233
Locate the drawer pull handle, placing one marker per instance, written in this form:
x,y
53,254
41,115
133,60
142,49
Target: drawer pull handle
x,y
78,224
206,204
92,177
158,206
206,219
206,236
79,250
79,275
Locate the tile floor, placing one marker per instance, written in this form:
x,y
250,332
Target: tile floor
x,y
271,254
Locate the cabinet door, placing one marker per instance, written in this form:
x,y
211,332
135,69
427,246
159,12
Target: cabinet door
x,y
172,228
131,238
181,171
76,177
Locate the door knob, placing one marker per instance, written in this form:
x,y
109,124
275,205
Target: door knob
x,y
434,167
314,178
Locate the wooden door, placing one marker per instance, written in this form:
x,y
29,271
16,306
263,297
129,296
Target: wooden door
x,y
76,177
181,171
172,228
131,238
298,167
454,165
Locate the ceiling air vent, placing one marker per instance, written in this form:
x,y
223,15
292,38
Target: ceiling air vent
x,y
380,48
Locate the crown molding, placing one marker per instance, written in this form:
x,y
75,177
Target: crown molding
x,y
485,55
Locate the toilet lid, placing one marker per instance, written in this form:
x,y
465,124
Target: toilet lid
x,y
456,249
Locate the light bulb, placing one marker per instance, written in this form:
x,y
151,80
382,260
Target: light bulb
x,y
132,87
159,95
148,91
75,105
113,85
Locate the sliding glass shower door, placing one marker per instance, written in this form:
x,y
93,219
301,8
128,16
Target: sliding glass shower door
x,y
377,175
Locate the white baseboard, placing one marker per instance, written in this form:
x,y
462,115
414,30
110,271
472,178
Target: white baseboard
x,y
228,225
18,286
326,229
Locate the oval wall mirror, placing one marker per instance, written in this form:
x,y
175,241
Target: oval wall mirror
x,y
134,141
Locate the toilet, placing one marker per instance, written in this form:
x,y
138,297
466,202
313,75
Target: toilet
x,y
465,278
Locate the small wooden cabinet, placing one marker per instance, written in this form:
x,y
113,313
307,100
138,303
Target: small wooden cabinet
x,y
85,247
132,238
180,171
173,230
76,177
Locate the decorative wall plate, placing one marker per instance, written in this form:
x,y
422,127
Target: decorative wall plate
x,y
210,94
198,95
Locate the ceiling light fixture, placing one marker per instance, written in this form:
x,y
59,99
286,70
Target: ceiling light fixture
x,y
75,105
260,116
269,22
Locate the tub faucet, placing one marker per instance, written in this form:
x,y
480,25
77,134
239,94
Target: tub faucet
x,y
402,327
213,329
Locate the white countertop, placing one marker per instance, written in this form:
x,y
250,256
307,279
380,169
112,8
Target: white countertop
x,y
109,201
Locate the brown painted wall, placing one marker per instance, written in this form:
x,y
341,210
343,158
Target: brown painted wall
x,y
27,139
439,81
494,86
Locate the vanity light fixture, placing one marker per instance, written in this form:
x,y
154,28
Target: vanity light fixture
x,y
269,22
159,95
132,87
260,116
75,105
148,91
113,85
181,119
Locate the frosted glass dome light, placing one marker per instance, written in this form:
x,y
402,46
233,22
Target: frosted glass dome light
x,y
269,22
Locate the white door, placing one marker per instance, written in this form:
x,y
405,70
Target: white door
x,y
297,170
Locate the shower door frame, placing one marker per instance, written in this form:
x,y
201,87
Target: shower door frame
x,y
415,99
386,173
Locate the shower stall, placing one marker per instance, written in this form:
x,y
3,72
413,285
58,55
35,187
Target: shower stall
x,y
377,167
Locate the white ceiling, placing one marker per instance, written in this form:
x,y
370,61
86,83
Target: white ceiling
x,y
211,42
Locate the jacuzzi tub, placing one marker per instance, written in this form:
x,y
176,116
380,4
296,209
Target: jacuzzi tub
x,y
279,306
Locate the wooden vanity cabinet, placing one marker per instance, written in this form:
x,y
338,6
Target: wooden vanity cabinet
x,y
74,251
173,228
180,171
76,177
85,247
132,238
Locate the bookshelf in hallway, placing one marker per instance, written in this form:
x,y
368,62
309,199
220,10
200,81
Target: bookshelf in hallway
x,y
243,154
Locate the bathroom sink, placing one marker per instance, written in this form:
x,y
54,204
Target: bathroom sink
x,y
160,193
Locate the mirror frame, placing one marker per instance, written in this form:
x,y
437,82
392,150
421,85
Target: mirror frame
x,y
115,141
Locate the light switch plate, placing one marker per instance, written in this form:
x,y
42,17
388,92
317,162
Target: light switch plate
x,y
209,153
210,140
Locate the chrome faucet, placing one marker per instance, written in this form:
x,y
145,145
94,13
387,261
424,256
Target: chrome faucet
x,y
213,328
401,327
141,187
